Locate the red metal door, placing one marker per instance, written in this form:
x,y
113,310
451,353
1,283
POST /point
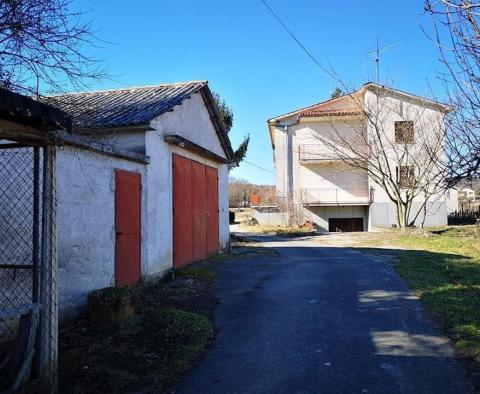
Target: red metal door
x,y
211,181
128,227
199,220
182,211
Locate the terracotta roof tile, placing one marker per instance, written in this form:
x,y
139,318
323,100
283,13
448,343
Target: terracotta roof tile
x,y
342,106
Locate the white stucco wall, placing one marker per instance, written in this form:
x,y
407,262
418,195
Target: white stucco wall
x,y
452,200
314,175
133,141
86,210
428,128
192,121
86,224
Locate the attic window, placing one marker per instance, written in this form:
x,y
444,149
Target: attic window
x,y
404,132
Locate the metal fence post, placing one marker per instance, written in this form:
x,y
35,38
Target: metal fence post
x,y
48,347
36,223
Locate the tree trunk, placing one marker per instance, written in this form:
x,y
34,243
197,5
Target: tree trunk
x,y
402,219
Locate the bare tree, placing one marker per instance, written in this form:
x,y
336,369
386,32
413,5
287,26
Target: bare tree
x,y
42,46
238,192
457,36
293,214
399,146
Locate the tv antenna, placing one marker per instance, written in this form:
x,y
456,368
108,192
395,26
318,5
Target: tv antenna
x,y
376,54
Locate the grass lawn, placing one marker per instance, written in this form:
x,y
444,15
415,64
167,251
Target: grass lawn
x,y
443,267
151,350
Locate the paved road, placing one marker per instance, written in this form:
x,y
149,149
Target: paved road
x,y
321,320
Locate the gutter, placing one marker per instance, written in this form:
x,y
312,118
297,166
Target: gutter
x,y
280,124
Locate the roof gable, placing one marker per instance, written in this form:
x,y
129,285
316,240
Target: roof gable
x,y
350,104
124,108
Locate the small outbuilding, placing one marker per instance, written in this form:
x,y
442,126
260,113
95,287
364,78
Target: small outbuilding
x,y
141,186
100,189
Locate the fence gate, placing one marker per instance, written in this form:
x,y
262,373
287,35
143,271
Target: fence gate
x,y
27,253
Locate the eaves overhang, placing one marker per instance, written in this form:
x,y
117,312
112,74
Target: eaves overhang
x,y
190,146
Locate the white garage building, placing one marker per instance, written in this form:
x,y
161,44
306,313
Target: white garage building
x,y
145,170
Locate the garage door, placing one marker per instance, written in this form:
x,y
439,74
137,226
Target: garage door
x,y
195,211
345,224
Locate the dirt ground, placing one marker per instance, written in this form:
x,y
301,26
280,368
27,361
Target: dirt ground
x,y
243,215
381,239
173,326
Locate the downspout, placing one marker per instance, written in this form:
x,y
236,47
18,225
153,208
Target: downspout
x,y
288,168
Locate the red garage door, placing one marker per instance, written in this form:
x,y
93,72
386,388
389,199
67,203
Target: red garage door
x,y
128,227
199,219
195,211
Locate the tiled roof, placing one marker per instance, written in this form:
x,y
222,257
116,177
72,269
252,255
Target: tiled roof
x,y
351,103
329,113
342,106
123,107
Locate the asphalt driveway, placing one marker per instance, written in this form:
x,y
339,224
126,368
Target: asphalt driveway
x,y
310,319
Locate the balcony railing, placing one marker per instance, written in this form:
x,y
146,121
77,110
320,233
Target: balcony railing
x,y
337,196
318,153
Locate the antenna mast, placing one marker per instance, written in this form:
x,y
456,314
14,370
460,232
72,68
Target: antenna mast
x,y
376,54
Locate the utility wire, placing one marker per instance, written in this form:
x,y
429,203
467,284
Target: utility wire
x,y
310,55
257,166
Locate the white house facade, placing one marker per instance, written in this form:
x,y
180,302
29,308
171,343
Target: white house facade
x,y
319,180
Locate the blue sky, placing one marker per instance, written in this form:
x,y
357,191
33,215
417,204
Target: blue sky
x,y
252,62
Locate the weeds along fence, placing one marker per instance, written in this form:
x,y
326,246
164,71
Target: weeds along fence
x,y
28,268
464,217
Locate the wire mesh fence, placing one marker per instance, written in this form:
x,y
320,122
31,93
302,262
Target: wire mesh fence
x,y
16,233
28,265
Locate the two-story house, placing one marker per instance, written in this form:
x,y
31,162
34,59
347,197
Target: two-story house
x,y
316,148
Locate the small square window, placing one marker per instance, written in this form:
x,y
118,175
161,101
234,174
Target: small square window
x,y
406,176
404,132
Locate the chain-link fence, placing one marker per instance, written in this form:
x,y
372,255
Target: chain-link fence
x,y
17,274
28,265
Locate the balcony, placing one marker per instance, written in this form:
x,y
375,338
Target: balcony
x,y
337,196
318,153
